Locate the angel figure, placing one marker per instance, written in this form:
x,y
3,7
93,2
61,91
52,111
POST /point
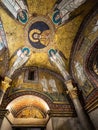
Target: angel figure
x,y
22,57
63,9
17,8
55,58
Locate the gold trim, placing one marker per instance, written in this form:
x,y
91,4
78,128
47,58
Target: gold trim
x,y
91,106
72,91
55,113
5,84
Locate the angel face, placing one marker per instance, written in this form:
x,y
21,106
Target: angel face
x,y
25,51
57,16
22,16
52,52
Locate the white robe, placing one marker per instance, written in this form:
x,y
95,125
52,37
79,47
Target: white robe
x,y
57,60
21,60
3,41
14,6
70,5
67,6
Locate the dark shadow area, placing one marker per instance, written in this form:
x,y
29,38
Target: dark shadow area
x,y
28,128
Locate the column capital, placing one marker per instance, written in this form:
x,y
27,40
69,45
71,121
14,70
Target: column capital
x,y
69,85
72,91
5,84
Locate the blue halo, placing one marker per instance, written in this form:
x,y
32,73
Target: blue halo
x,y
51,50
23,21
56,21
26,49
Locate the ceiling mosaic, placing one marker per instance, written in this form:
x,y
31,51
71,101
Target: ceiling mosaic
x,y
29,31
39,31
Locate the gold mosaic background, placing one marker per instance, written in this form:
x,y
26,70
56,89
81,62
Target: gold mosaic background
x,y
63,39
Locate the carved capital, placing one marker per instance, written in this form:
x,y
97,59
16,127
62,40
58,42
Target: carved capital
x,y
5,84
72,91
69,85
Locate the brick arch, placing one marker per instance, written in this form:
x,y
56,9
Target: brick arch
x,y
23,69
7,100
63,106
60,107
28,102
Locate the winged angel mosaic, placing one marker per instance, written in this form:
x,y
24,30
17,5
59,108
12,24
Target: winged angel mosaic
x,y
19,10
38,35
63,9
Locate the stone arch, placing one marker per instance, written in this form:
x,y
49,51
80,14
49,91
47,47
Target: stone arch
x,y
36,111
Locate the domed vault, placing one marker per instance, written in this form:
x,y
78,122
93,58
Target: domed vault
x,y
33,91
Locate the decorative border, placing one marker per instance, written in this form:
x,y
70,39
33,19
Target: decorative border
x,y
55,106
87,62
45,19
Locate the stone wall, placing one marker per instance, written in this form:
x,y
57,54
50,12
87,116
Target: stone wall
x,y
94,117
65,123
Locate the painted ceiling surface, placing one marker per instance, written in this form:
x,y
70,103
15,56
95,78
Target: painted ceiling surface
x,y
61,38
39,15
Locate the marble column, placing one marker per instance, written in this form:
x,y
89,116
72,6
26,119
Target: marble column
x,y
57,60
72,91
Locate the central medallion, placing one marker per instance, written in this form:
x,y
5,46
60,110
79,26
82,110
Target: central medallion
x,y
40,32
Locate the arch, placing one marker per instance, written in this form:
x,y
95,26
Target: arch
x,y
30,102
82,58
7,100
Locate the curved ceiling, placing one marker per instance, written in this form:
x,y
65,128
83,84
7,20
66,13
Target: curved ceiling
x,y
63,37
27,101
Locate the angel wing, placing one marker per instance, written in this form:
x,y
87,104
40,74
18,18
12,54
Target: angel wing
x,y
2,34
